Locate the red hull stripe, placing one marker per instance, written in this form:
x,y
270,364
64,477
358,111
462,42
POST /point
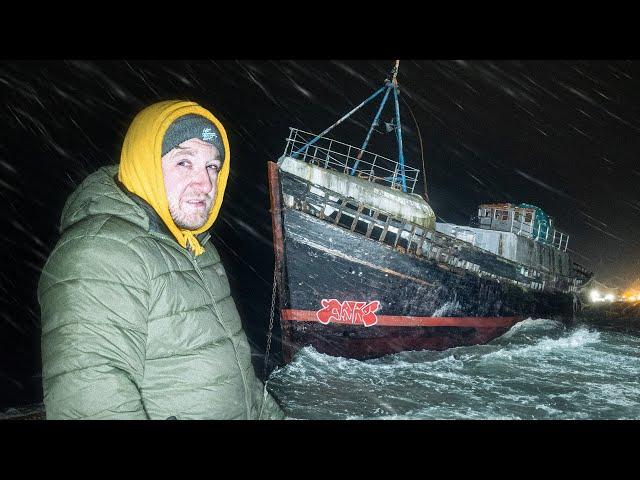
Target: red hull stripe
x,y
405,321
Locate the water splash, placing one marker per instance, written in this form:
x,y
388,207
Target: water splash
x,y
540,369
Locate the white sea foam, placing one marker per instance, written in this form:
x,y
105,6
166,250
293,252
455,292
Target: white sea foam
x,y
548,409
576,340
533,325
542,370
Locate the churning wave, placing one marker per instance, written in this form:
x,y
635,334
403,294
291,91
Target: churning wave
x,y
539,369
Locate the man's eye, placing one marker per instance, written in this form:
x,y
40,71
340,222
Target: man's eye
x,y
184,163
214,167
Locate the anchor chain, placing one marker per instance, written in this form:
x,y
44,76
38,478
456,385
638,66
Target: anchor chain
x,y
266,353
273,305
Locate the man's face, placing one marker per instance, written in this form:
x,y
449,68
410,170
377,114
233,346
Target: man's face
x,y
190,176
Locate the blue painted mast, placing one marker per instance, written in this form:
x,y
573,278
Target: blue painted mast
x,y
317,137
399,128
388,86
373,125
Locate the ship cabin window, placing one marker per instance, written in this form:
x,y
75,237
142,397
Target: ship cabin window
x,y
376,232
361,227
528,216
502,215
346,219
517,216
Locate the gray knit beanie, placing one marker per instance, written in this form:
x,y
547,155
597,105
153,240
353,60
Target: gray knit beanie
x,y
192,126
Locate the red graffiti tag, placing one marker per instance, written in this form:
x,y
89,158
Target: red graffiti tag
x,y
348,312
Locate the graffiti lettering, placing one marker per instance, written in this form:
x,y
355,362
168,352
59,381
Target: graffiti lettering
x,y
348,312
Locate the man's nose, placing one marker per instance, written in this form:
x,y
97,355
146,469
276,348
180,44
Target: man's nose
x,y
202,180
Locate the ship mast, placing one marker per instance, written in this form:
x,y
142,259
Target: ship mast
x,y
390,84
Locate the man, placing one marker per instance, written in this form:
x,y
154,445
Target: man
x,y
137,317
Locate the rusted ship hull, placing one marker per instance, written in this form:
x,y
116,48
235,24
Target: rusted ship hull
x,y
352,296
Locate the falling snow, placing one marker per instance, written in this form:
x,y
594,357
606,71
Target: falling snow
x,y
562,135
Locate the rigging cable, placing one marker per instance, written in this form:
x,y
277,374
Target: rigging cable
x,y
424,168
394,74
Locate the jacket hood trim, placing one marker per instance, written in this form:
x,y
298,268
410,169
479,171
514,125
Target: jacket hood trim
x,y
140,168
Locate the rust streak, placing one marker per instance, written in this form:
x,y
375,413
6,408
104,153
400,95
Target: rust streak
x,y
276,219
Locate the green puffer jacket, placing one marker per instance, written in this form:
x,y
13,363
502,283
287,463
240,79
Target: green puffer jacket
x,y
134,326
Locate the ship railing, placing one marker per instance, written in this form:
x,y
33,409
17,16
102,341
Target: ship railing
x,y
548,235
334,155
519,227
523,228
553,237
410,237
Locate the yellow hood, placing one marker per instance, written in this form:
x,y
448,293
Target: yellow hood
x,y
141,163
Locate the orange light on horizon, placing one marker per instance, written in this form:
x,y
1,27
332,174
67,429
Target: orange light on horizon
x,y
631,295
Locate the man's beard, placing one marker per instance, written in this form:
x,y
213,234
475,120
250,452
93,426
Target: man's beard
x,y
189,221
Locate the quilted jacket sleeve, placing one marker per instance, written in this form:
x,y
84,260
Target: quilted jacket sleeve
x,y
93,294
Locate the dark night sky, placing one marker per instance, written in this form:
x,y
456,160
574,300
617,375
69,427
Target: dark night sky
x,y
563,135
